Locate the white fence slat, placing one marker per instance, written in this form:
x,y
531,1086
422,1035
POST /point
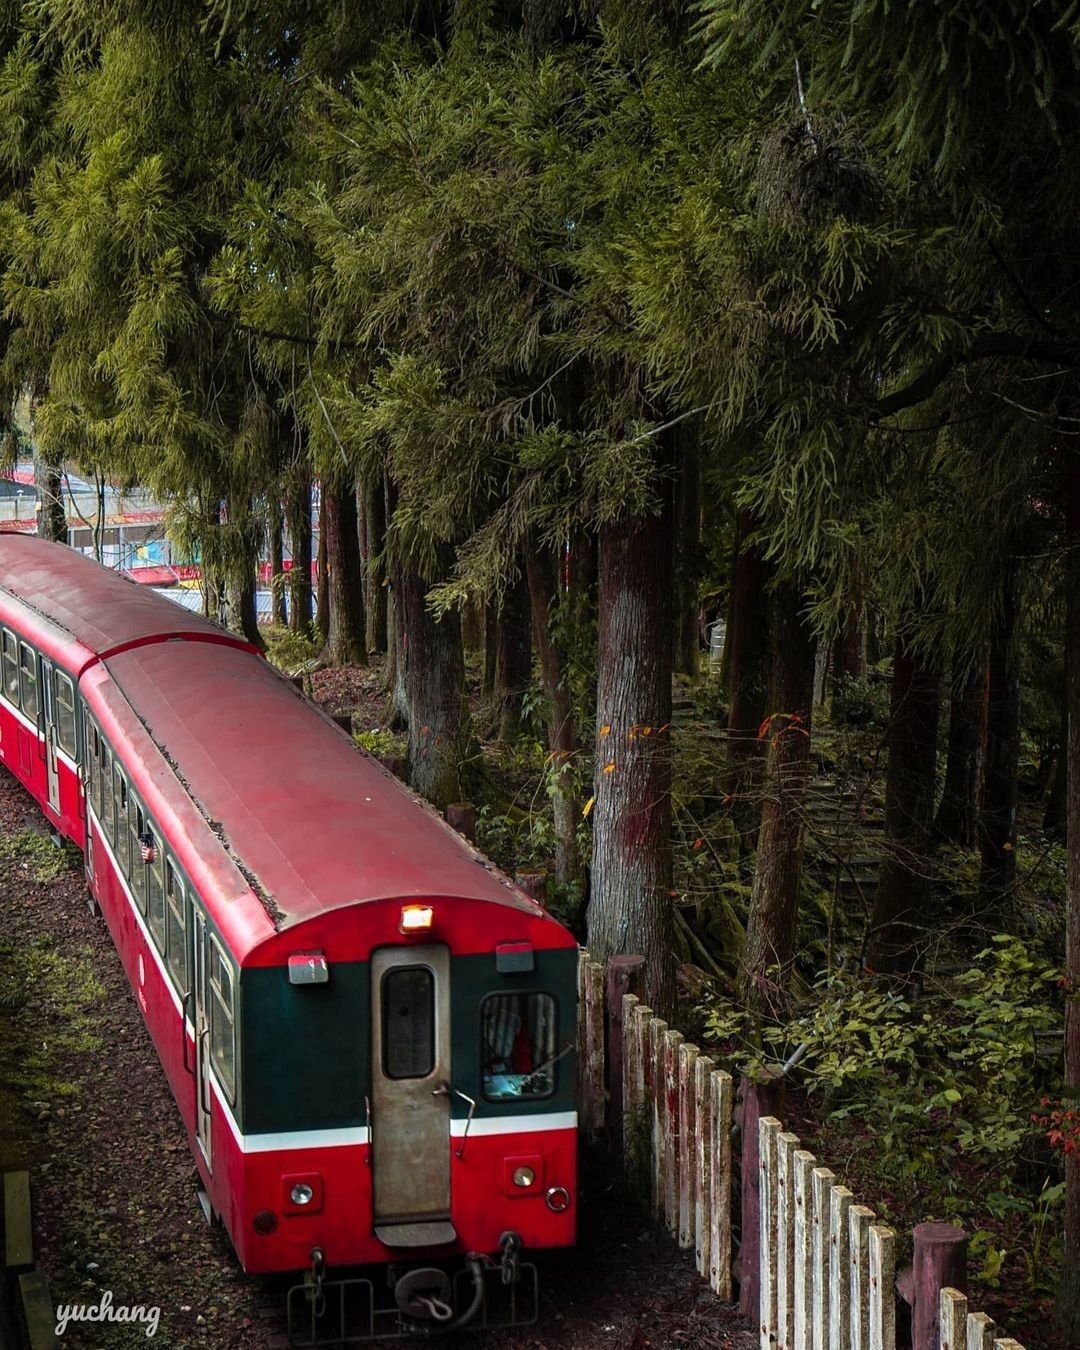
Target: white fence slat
x,y
786,1144
840,1201
631,1049
980,1332
768,1129
1007,1343
802,1333
657,1030
595,990
721,1093
882,1290
822,1184
687,1144
672,1041
703,1067
952,1319
859,1220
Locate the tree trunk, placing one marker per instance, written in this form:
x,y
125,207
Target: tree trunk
x,y
561,731
398,712
997,818
774,898
1055,816
278,607
630,909
747,657
435,688
687,559
1068,1309
322,580
375,569
851,647
514,667
491,649
900,908
957,812
52,517
298,511
346,636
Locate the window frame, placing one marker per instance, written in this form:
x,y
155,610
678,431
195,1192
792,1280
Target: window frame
x,y
120,804
155,891
180,977
216,1006
553,1070
9,660
137,827
395,972
26,649
67,715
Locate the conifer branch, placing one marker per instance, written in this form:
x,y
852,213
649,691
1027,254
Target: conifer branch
x,y
983,348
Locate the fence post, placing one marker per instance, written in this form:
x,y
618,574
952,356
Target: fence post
x,y
859,1220
594,1047
768,1129
939,1262
672,1041
657,1029
762,1096
803,1321
687,1144
980,1332
785,1239
720,1106
952,1318
882,1293
635,1047
623,977
840,1201
703,1164
822,1183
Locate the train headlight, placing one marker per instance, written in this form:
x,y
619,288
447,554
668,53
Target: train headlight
x,y
301,1194
524,1176
416,918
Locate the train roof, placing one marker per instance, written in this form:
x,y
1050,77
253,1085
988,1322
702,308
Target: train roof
x,y
97,607
314,822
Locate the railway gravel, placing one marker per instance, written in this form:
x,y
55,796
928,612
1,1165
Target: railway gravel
x,y
84,1104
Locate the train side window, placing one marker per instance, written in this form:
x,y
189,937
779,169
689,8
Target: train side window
x,y
11,667
136,831
93,753
65,714
222,1022
176,928
28,680
518,1046
120,802
408,1011
104,798
155,892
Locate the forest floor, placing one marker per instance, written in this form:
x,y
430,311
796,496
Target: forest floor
x,y
85,1106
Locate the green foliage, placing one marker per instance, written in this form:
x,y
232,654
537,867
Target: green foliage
x,y
35,855
288,651
953,1069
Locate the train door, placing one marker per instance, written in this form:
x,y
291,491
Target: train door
x,y
48,705
202,1035
411,1092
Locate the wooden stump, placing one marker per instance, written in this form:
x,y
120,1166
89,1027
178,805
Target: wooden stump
x,y
533,881
461,816
760,1097
939,1262
623,978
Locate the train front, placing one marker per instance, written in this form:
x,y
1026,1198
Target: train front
x,y
408,1099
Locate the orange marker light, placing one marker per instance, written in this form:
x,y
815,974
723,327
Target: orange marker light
x,y
416,918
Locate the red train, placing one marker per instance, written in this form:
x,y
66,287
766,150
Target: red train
x,y
369,1031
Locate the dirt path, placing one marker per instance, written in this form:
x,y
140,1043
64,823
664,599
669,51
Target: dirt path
x,y
84,1104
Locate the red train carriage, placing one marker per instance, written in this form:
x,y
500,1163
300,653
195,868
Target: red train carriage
x,y
368,1029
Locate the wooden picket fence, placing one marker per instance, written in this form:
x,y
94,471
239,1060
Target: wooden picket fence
x,y
826,1269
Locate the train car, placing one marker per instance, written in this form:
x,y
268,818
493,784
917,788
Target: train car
x,y
368,1029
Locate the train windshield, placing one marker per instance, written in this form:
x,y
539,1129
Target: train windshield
x,y
518,1046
